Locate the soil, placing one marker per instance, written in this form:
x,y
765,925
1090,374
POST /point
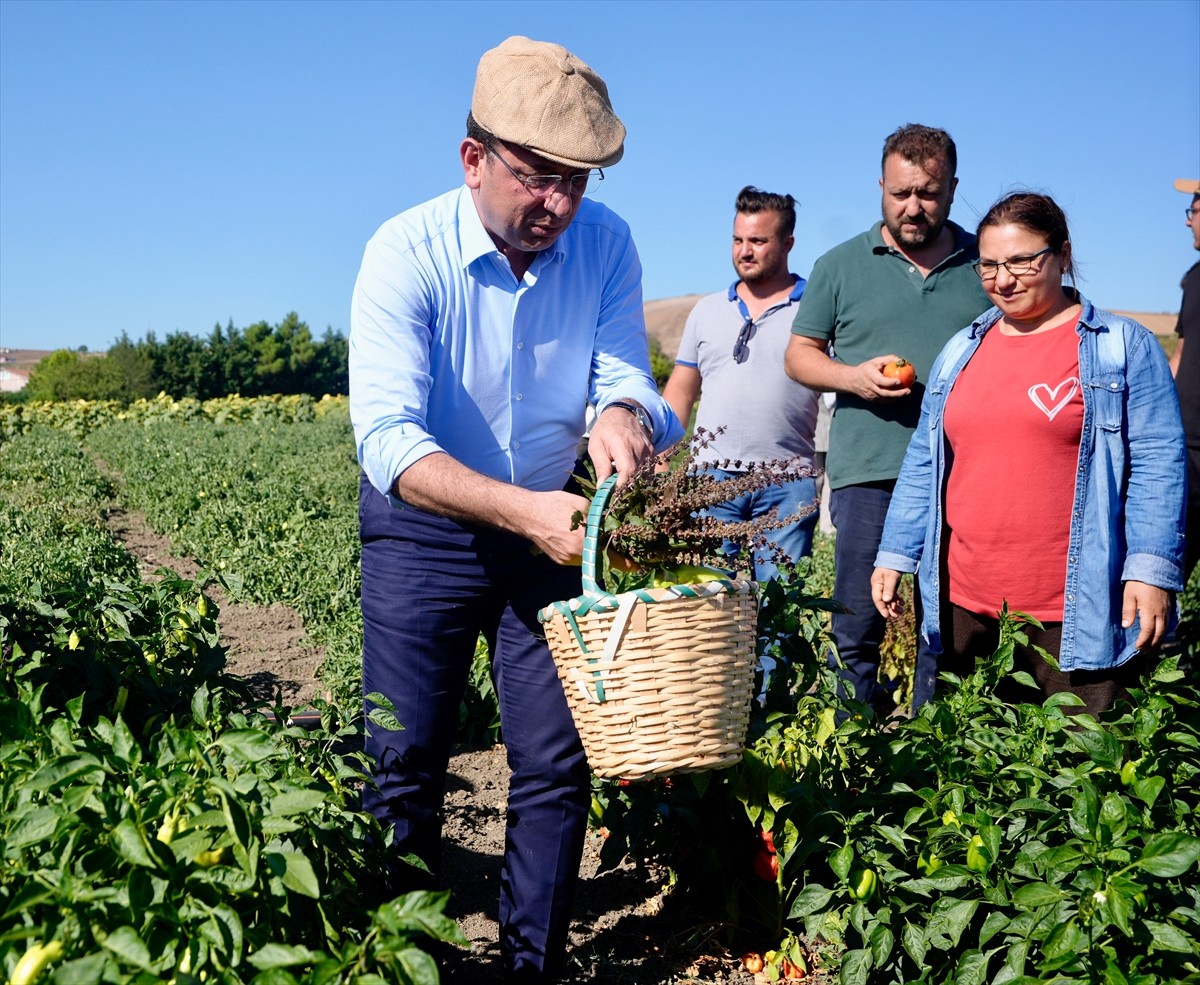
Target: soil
x,y
625,930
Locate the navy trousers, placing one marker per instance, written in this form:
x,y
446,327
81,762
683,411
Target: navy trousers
x,y
858,513
430,587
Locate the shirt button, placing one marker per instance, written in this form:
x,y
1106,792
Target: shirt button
x,y
912,270
516,446
520,345
520,396
1113,386
1070,598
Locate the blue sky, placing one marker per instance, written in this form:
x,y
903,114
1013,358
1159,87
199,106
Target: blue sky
x,y
165,166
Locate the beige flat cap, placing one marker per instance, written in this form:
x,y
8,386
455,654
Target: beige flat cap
x,y
538,95
1189,185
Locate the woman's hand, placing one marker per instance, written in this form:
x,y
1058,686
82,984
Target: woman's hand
x,y
885,584
1150,603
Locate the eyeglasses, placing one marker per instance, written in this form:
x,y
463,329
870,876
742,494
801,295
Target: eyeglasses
x,y
741,348
988,269
1189,213
544,185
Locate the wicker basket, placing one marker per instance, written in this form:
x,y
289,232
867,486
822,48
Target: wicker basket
x,y
658,680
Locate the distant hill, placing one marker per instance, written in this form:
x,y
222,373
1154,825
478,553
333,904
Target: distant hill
x,y
665,320
1159,323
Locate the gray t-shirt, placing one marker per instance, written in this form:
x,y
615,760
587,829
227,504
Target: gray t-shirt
x,y
766,414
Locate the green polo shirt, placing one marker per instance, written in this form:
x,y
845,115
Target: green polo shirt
x,y
869,300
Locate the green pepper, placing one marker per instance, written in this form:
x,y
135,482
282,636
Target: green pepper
x,y
862,884
685,574
928,863
33,962
976,860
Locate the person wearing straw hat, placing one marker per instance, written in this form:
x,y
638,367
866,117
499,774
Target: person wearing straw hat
x,y
1185,367
483,324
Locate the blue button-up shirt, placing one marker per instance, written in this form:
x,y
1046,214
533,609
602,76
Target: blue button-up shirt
x,y
450,352
1127,516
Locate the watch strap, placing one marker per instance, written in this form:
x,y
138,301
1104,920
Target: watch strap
x,y
642,416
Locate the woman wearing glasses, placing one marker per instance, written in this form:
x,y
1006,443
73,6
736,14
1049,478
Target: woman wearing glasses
x,y
1046,474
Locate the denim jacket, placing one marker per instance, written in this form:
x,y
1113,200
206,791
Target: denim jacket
x,y
1127,518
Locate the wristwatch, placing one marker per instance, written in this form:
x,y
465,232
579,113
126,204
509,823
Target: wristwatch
x,y
638,412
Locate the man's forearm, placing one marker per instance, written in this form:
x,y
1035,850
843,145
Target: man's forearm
x,y
812,366
440,484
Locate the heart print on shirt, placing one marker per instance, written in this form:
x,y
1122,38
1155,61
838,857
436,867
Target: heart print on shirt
x,y
1050,400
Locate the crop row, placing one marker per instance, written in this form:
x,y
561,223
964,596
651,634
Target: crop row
x,y
155,824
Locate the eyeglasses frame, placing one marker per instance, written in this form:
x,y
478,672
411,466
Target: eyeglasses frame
x,y
559,179
993,266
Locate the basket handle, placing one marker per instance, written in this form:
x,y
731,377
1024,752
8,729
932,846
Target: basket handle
x,y
591,536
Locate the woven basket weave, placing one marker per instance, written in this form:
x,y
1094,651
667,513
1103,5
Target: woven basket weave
x,y
659,680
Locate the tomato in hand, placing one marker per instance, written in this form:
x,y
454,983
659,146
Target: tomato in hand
x,y
902,370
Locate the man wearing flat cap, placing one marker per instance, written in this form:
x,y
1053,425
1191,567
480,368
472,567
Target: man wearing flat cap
x,y
484,323
1185,367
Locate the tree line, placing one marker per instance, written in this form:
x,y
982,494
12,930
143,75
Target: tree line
x,y
260,360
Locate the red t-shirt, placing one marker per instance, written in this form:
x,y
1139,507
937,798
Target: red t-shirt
x,y
1013,424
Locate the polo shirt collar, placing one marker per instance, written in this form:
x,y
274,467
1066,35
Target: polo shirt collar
x,y
962,239
795,295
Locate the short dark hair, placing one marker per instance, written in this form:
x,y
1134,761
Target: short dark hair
x,y
476,132
751,200
1036,212
918,144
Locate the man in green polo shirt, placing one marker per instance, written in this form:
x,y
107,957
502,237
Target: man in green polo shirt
x,y
897,291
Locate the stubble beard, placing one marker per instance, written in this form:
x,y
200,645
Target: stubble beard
x,y
758,275
926,234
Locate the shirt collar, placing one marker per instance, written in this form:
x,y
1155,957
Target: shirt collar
x,y
475,241
1088,318
796,293
963,240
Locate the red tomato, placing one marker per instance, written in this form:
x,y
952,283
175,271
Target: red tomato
x,y
902,370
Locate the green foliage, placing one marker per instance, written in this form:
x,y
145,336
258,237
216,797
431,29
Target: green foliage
x,y
154,824
51,520
206,842
976,842
67,375
263,491
262,359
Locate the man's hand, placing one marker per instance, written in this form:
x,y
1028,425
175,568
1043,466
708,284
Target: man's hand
x,y
1150,604
444,486
885,584
549,526
869,382
807,361
618,444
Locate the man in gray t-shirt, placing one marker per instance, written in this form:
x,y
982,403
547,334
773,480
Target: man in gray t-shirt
x,y
733,350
